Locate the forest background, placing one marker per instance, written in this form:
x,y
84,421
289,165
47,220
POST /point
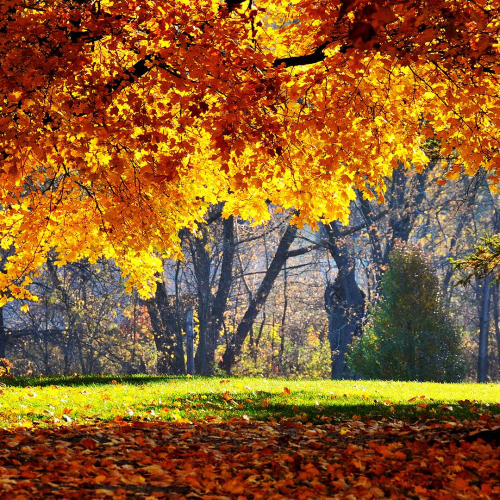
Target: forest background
x,y
194,148
85,322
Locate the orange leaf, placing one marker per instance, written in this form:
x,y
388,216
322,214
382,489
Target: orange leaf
x,y
89,443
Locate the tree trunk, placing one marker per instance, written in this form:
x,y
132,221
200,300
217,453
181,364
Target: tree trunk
x,y
225,281
344,302
283,320
201,261
345,305
496,318
258,300
484,324
190,342
165,333
3,335
211,309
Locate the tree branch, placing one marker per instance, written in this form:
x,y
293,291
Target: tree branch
x,y
139,69
317,56
302,251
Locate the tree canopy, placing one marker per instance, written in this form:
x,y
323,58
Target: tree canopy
x,y
122,122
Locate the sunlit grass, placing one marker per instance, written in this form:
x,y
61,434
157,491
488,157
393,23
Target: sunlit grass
x,y
74,400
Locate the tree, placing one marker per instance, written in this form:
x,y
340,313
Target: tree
x,y
410,336
83,322
258,300
344,301
167,332
124,122
212,307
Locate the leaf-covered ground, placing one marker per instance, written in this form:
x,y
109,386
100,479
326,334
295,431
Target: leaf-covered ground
x,y
247,438
250,460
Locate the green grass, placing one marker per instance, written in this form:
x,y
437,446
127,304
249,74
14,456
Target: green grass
x,y
75,400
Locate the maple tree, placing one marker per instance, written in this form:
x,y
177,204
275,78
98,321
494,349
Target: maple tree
x,y
122,122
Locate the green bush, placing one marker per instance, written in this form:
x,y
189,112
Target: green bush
x,y
409,335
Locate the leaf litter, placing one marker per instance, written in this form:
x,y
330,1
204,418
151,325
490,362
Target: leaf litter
x,y
240,459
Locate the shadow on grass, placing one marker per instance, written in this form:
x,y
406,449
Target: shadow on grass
x,y
268,406
75,380
261,405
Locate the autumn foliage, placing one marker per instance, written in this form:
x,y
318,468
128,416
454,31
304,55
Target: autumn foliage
x,y
123,121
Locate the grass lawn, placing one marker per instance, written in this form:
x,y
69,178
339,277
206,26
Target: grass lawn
x,y
246,439
83,400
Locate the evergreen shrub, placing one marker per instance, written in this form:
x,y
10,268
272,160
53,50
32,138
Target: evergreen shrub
x,y
410,335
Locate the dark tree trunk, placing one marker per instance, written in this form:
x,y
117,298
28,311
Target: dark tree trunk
x,y
484,327
166,333
211,309
190,343
258,300
283,320
201,261
344,302
225,281
3,335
